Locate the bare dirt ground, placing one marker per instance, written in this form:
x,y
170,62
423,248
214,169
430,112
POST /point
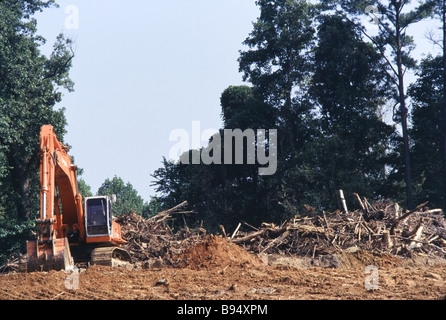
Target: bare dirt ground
x,y
235,283
219,270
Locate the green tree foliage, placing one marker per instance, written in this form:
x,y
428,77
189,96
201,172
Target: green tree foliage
x,y
31,85
13,234
127,198
242,109
277,63
440,15
427,118
349,88
395,46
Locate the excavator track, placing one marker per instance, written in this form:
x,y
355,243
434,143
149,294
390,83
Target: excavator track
x,y
110,256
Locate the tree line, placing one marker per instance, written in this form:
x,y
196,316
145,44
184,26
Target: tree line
x,y
313,71
337,93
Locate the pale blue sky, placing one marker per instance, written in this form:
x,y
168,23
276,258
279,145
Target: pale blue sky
x,y
142,69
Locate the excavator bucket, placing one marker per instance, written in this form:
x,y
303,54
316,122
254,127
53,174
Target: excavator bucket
x,y
53,255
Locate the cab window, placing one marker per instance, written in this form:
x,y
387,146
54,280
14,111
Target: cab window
x,y
97,217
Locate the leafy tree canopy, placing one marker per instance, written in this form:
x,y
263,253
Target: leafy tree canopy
x,y
127,198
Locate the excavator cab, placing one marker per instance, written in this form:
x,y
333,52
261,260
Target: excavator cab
x,y
99,224
98,217
103,233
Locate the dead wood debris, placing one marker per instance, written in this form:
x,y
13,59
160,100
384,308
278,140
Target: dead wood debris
x,y
381,227
152,240
12,265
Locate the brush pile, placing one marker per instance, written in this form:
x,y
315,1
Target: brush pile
x,y
381,227
153,239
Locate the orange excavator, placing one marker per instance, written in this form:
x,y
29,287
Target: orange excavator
x,y
70,230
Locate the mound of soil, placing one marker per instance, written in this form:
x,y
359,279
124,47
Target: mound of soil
x,y
217,252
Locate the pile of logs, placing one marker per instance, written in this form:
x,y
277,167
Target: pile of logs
x,y
381,227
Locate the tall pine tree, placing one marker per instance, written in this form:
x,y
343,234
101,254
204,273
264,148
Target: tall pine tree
x,y
349,86
395,45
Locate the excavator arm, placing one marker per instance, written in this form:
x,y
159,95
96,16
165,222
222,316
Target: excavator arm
x,y
57,170
51,249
